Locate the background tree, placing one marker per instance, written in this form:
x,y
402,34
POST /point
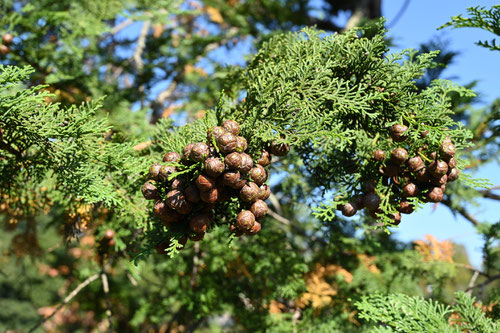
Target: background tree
x,y
76,170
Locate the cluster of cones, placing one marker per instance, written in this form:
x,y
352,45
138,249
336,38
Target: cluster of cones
x,y
422,176
185,203
6,41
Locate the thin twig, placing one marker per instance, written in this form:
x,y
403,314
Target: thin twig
x,y
105,288
141,43
489,194
195,264
462,212
485,283
67,299
472,281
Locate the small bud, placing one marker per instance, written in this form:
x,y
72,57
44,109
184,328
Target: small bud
x,y
171,157
399,156
258,174
259,209
199,152
250,192
398,132
214,166
379,155
245,220
149,191
231,126
205,182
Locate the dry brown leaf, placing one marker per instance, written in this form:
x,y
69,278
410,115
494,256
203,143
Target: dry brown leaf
x,y
214,14
142,145
157,30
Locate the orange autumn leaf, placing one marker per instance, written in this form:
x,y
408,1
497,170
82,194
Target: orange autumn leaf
x,y
433,250
214,14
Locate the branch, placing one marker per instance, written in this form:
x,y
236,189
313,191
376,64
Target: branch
x,y
325,25
485,283
105,288
141,43
67,299
462,212
195,264
489,193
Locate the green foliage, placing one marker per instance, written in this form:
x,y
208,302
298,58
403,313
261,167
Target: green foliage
x,y
480,17
401,313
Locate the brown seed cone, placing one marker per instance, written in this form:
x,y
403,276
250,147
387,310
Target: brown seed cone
x,y
264,159
358,202
223,194
438,168
255,229
396,218
410,190
7,38
264,192
186,152
432,156
199,152
369,186
390,170
250,192
422,176
405,207
373,213
205,182
259,209
439,181
214,166
399,156
170,216
174,199
379,155
4,49
279,149
233,160
231,126
160,208
258,174
453,174
241,144
443,187
447,150
424,134
371,201
184,207
415,164
227,143
349,209
232,179
154,171
234,229
197,238
215,132
109,234
178,184
435,195
192,194
199,223
245,220
166,171
246,163
149,191
452,163
398,132
171,157
210,196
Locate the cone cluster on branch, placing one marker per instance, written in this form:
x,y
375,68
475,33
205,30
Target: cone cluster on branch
x,y
186,203
6,41
423,176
